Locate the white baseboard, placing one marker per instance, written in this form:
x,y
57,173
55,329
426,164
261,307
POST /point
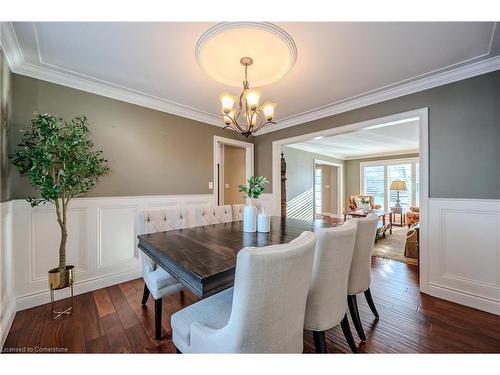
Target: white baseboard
x,y
43,297
462,298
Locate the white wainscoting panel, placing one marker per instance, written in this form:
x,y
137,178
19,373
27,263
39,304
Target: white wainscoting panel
x,y
7,292
115,245
464,252
102,242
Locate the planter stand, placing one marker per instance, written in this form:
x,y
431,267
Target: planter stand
x,y
57,281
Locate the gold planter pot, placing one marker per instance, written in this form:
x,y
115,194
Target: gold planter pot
x,y
60,280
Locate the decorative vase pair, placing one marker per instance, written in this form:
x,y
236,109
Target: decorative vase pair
x,y
253,221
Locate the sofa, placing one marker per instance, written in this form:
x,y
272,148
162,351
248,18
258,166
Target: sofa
x,y
412,216
353,198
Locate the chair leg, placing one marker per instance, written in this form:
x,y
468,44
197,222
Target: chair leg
x,y
181,293
348,334
369,299
353,309
177,350
145,294
158,305
319,341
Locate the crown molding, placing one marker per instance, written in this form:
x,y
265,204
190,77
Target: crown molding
x,y
312,150
110,90
10,45
450,76
383,154
77,81
15,59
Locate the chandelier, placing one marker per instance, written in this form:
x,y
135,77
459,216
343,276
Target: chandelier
x,y
248,117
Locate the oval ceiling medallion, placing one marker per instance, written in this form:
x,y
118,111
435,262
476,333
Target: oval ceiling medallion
x,y
220,48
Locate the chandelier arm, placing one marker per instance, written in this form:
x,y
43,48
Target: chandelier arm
x,y
264,124
235,123
240,106
259,119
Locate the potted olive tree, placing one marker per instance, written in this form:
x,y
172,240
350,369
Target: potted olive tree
x,y
59,159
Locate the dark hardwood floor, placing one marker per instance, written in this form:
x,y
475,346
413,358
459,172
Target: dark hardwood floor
x,y
112,320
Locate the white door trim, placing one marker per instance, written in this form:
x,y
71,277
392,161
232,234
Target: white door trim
x,y
422,115
218,158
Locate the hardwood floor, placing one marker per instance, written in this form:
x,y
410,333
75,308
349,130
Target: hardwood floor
x,y
112,320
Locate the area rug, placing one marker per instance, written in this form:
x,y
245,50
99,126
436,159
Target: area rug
x,y
393,246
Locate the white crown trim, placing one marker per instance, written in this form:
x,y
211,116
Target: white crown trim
x,y
78,81
11,48
439,79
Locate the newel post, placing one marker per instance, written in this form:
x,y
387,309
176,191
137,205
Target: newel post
x,y
283,186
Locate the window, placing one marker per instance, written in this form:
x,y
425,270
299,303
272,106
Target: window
x,y
376,178
317,190
373,183
400,172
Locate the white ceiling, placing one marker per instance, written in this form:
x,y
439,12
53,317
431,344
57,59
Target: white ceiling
x,y
340,66
378,140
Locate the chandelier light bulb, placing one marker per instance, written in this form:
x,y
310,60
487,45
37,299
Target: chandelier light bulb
x,y
268,110
229,117
227,102
252,97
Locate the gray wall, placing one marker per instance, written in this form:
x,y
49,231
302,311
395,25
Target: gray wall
x,y
5,117
464,135
352,175
149,152
299,184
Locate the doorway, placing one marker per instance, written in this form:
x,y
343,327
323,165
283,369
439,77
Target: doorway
x,y
420,186
233,165
327,189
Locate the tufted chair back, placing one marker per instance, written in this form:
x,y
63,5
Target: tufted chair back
x,y
327,299
359,276
213,215
163,220
160,221
238,212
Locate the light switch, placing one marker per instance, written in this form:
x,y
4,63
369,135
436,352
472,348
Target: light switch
x,y
227,186
210,185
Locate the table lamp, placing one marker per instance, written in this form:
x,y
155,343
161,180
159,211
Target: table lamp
x,y
398,185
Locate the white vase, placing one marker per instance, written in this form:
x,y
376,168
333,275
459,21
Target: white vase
x,y
250,218
366,208
263,223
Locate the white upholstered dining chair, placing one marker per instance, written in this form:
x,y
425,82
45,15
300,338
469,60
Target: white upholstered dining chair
x,y
360,274
263,313
213,215
158,282
238,212
327,299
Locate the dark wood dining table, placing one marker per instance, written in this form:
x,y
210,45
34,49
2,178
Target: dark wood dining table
x,y
204,258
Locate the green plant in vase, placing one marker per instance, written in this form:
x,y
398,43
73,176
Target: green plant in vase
x,y
252,190
59,159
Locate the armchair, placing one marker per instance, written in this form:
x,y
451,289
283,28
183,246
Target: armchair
x,y
412,216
